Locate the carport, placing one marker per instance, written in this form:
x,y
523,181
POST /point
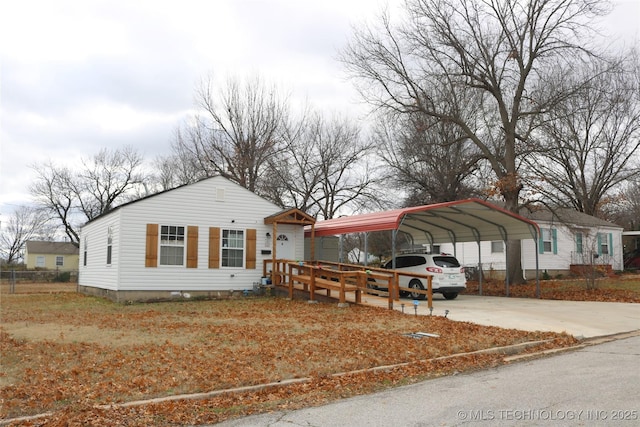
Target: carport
x,y
469,220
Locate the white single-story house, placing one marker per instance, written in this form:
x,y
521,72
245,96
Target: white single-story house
x,y
206,239
568,240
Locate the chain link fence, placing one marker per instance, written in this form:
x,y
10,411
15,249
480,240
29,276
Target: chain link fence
x,y
18,281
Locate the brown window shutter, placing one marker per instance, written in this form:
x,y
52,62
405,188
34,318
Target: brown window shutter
x,y
250,253
151,255
192,246
214,247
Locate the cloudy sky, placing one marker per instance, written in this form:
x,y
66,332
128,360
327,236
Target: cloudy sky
x,y
80,75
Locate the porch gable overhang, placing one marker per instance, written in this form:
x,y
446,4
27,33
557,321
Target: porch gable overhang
x,y
290,216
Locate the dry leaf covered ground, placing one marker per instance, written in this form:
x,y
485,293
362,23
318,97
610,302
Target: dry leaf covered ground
x,y
67,355
619,288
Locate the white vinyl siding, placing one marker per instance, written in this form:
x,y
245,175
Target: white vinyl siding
x,y
566,245
194,205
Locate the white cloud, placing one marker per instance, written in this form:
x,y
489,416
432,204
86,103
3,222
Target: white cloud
x,y
80,75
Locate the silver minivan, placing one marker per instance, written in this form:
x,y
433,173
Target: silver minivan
x,y
448,275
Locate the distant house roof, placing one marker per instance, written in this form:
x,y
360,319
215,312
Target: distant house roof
x,y
566,216
58,248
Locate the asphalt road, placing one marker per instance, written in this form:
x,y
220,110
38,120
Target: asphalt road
x,y
593,386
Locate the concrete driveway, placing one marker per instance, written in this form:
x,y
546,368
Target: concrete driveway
x,y
578,318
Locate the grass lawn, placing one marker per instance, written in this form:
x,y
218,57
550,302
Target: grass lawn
x,y
70,355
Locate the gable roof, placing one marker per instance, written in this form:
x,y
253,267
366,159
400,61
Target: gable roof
x,y
57,248
458,221
216,177
566,216
290,216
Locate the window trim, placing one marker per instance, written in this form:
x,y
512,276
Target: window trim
x,y
177,236
579,237
109,246
552,234
59,258
605,240
496,250
84,252
224,250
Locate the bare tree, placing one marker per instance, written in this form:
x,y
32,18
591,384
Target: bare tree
x,y
177,169
73,197
105,179
625,210
322,169
53,190
591,139
432,161
237,132
493,53
26,223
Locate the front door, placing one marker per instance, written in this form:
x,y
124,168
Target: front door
x,y
285,246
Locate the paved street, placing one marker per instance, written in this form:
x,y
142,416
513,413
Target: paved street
x,y
596,385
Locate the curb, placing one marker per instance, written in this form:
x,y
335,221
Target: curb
x,y
586,343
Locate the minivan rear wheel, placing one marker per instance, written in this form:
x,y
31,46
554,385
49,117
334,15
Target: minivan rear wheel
x,y
416,284
450,295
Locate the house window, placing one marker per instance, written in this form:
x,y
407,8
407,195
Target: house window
x,y
84,253
109,246
604,241
171,245
548,241
40,261
497,247
579,237
59,261
232,248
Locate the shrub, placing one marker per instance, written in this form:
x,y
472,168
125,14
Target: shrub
x,y
65,276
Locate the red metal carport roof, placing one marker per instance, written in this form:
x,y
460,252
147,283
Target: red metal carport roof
x,y
459,221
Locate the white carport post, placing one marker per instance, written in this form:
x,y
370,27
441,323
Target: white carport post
x,y
476,234
505,237
536,243
366,248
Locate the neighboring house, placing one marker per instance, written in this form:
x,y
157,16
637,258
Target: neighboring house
x,y
61,256
568,240
205,239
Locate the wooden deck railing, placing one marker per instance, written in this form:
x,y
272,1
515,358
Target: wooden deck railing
x,y
342,278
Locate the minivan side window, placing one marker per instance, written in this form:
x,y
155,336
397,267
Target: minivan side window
x,y
446,261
